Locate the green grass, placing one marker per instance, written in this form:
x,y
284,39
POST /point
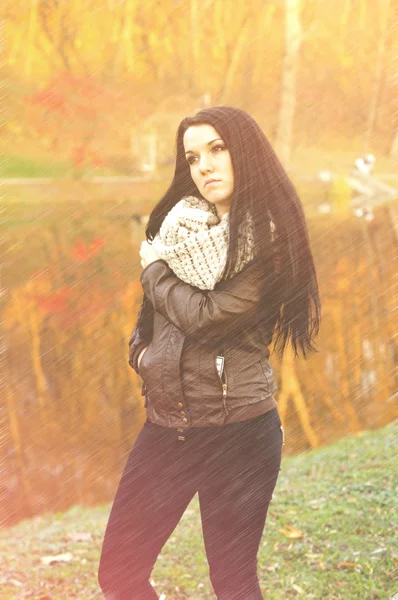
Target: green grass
x,y
16,166
19,166
340,497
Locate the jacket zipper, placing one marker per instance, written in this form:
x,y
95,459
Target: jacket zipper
x,y
224,397
224,383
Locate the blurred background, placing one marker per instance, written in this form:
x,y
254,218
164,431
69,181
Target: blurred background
x,y
93,93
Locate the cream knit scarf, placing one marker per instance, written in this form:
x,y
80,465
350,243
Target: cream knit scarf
x,y
194,242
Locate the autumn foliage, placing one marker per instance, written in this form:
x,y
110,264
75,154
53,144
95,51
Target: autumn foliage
x,y
77,116
72,54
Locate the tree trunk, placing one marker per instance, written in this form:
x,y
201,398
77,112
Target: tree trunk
x,y
291,389
31,36
394,146
195,39
287,106
378,76
234,63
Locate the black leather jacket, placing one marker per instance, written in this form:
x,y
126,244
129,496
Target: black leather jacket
x,y
185,329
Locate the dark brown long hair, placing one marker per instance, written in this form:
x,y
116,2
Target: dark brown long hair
x,y
262,188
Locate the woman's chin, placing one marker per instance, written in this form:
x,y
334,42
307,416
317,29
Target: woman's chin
x,y
216,198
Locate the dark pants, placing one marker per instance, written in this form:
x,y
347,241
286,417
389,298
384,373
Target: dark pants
x,y
233,468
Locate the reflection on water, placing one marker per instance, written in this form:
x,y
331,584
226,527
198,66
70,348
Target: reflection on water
x,y
72,404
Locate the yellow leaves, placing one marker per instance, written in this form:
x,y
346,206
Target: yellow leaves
x,y
168,46
218,51
352,500
130,295
343,265
340,194
114,318
343,285
347,61
349,565
291,532
40,285
298,589
14,313
49,560
153,38
91,326
318,563
11,316
362,268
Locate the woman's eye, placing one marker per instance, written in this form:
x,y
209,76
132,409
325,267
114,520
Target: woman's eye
x,y
214,150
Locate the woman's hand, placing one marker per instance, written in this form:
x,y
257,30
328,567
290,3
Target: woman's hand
x,y
148,254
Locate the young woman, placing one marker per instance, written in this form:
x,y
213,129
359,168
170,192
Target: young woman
x,y
227,267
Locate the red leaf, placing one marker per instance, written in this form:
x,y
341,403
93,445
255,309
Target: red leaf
x,y
79,252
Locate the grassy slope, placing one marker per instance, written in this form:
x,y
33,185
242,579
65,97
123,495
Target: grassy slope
x,y
339,497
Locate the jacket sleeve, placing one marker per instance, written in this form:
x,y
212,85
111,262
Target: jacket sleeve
x,y
204,314
142,334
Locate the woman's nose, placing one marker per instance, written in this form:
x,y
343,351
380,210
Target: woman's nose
x,y
205,164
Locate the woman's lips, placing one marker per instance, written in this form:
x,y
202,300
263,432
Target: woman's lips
x,y
210,182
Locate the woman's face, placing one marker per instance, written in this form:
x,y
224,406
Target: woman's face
x,y
210,165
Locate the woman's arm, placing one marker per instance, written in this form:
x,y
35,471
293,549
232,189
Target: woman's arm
x,y
205,314
199,258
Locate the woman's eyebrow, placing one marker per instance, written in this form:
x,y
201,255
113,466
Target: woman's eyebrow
x,y
208,143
